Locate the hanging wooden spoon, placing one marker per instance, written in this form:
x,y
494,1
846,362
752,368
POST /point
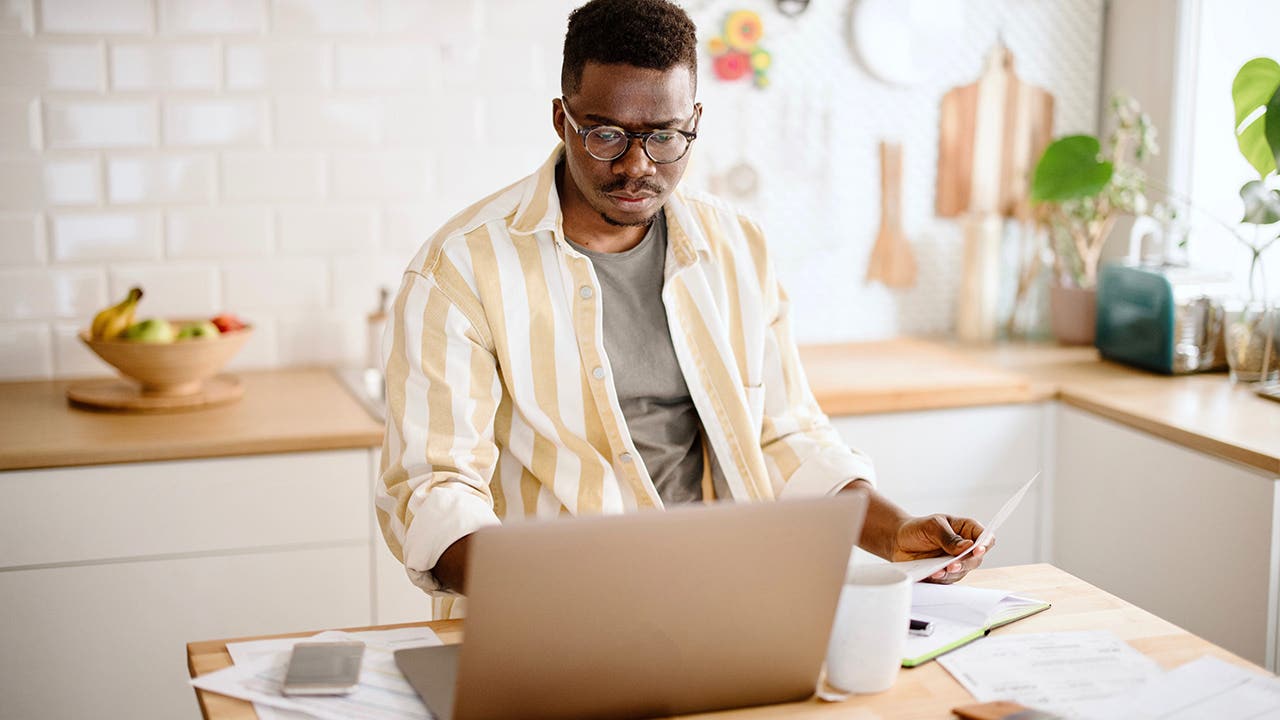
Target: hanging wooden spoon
x,y
892,261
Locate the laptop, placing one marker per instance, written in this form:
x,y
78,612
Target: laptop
x,y
694,609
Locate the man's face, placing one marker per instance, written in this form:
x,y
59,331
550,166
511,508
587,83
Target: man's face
x,y
630,190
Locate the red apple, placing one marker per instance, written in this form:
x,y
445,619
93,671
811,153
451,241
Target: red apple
x,y
227,322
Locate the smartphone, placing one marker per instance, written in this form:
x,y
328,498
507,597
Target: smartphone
x,y
323,668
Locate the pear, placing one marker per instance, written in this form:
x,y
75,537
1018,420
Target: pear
x,y
151,330
198,331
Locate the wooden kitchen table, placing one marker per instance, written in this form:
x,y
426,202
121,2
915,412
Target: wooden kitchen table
x,y
922,692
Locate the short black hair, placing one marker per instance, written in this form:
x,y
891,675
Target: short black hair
x,y
654,34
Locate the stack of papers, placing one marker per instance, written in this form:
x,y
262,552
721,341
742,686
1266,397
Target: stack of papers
x,y
1062,673
960,615
1203,689
1097,676
383,693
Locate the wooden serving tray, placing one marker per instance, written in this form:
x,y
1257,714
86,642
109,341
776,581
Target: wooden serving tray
x,y
125,396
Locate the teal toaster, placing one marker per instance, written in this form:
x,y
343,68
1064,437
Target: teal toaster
x,y
1167,319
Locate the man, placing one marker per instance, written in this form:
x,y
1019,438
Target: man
x,y
591,340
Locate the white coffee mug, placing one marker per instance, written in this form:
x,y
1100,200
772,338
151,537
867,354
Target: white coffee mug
x,y
870,630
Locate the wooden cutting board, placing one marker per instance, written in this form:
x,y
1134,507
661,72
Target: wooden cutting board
x,y
892,261
991,133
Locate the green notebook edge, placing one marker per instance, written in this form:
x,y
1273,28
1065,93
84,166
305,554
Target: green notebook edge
x,y
980,632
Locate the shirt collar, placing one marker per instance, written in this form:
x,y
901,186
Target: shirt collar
x,y
539,210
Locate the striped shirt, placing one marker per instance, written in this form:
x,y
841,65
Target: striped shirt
x,y
501,402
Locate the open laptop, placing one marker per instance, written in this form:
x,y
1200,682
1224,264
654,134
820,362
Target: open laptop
x,y
694,609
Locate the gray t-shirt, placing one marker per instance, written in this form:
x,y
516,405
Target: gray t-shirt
x,y
655,400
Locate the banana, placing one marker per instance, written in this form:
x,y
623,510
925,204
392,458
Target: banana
x,y
112,321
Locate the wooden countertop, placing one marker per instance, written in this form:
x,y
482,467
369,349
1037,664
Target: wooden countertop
x,y
920,693
1203,412
281,411
308,409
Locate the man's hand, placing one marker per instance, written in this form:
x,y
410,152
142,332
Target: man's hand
x,y
892,534
937,535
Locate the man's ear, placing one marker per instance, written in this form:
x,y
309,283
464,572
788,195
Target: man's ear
x,y
557,117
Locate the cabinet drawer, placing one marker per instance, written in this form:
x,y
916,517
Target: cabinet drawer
x,y
118,511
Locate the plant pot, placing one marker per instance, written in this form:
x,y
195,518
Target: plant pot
x,y
1253,342
1073,314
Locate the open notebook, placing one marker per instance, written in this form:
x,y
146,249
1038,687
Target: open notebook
x,y
960,615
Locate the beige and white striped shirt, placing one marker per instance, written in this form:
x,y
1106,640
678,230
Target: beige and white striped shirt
x,y
501,401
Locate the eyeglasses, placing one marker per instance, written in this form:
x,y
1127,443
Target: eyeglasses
x,y
608,143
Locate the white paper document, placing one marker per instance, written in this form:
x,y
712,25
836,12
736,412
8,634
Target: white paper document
x,y
383,693
1203,689
918,570
1063,673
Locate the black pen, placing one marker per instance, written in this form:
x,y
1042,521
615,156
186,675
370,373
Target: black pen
x,y
920,627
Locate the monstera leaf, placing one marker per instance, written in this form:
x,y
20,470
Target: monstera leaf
x,y
1069,169
1257,85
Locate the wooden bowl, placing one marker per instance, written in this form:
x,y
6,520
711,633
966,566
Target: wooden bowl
x,y
169,369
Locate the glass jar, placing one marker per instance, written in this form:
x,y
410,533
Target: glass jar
x,y
1252,340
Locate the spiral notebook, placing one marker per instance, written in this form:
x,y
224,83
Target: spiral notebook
x,y
961,614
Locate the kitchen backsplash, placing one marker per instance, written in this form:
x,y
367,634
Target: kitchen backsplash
x,y
282,159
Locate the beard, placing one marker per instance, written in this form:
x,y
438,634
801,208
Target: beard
x,y
634,223
634,188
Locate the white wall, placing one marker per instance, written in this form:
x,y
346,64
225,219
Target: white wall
x,y
283,158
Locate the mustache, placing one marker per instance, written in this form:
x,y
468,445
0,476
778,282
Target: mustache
x,y
632,187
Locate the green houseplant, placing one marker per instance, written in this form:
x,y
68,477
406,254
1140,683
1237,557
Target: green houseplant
x,y
1253,330
1079,192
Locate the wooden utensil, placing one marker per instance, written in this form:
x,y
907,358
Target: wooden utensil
x,y
892,261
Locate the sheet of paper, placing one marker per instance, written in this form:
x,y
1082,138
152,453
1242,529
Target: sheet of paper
x,y
1203,689
1056,672
383,693
918,570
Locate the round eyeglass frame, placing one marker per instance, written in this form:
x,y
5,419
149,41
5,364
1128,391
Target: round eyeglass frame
x,y
643,137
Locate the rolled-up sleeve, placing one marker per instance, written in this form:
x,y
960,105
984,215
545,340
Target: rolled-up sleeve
x,y
438,452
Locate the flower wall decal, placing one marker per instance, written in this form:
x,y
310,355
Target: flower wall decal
x,y
736,53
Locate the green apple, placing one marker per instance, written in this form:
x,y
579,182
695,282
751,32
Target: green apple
x,y
198,331
152,330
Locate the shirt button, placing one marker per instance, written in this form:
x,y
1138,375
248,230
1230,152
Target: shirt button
x,y
625,457
598,373
586,292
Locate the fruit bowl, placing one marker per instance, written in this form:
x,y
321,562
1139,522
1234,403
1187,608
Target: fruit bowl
x,y
171,369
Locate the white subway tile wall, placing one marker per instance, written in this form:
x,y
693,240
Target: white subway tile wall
x,y
19,124
162,178
283,159
17,17
208,17
22,239
165,67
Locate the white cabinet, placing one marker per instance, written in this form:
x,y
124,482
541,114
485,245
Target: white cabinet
x,y
106,572
1191,538
109,640
965,461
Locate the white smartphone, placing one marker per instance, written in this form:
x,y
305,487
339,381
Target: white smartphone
x,y
323,668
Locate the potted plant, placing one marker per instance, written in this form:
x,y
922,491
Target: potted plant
x,y
1253,330
1079,192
